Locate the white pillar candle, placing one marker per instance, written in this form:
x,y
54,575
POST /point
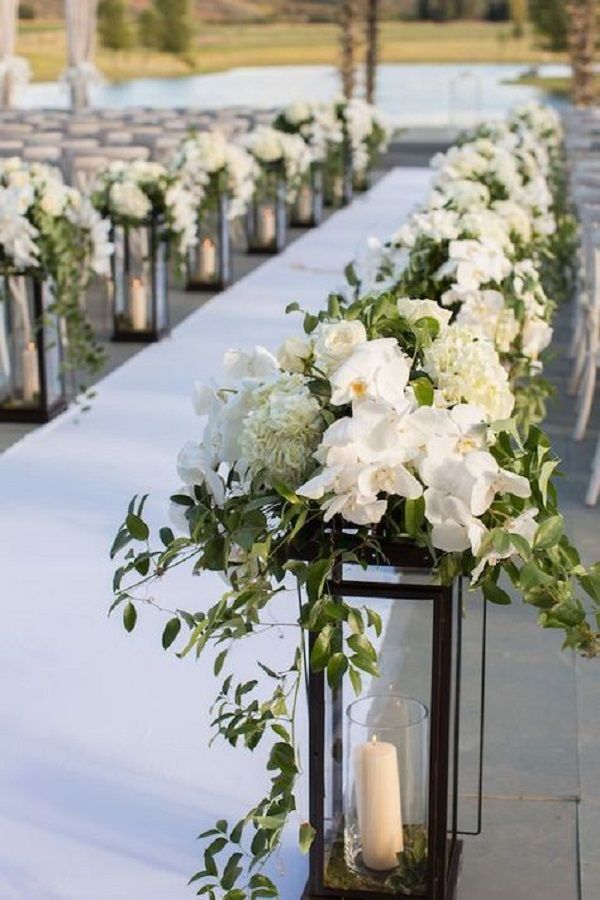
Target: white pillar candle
x,y
31,373
304,203
138,305
207,260
266,226
378,804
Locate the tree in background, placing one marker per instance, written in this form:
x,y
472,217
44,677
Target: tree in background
x,y
372,55
550,19
348,46
581,37
519,13
114,25
166,25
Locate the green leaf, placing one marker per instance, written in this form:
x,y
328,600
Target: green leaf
x,y
374,620
544,477
521,545
356,682
306,837
129,616
336,669
315,579
232,871
414,515
219,661
531,576
166,536
319,654
362,645
423,389
549,533
172,629
495,594
137,528
287,494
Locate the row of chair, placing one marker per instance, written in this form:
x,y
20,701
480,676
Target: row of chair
x,y
80,145
583,145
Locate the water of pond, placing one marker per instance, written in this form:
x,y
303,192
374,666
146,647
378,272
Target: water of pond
x,y
416,94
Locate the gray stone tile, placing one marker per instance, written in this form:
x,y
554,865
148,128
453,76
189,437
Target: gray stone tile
x,y
528,851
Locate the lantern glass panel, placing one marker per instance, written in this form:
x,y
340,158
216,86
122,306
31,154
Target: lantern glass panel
x,y
140,279
209,261
266,221
307,208
32,384
392,712
20,381
338,178
161,300
53,367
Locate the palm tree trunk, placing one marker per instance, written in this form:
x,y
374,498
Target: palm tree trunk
x,y
348,46
372,56
582,45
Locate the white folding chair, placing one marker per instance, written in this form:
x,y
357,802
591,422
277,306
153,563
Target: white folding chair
x,y
588,366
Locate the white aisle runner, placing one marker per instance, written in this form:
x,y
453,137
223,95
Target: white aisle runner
x,y
105,778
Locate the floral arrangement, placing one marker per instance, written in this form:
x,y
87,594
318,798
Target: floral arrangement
x,y
275,150
209,164
132,193
330,127
386,420
48,228
490,244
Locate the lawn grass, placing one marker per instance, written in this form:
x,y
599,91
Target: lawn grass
x,y
219,47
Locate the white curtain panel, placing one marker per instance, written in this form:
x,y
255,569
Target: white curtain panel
x,y
81,46
14,70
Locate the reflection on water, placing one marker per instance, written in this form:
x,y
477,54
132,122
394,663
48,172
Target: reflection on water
x,y
417,94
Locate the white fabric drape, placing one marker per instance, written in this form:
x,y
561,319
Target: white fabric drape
x,y
14,70
81,46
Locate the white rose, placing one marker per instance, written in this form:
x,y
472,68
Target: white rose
x,y
128,200
335,342
293,354
413,310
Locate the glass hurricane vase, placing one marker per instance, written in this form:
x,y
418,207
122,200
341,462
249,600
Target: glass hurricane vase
x,y
32,382
140,281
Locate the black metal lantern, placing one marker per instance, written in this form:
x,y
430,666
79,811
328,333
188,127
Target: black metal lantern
x,y
266,219
384,768
307,208
210,260
32,382
339,177
140,281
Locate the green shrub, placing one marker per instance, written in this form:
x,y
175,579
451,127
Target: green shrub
x,y
114,25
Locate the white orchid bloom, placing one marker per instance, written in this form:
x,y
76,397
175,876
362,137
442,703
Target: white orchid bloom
x,y
376,370
257,364
524,525
454,528
196,466
394,480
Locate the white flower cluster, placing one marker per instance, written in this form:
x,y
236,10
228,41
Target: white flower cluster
x,y
33,199
326,126
205,158
271,147
389,446
265,422
488,216
267,425
134,191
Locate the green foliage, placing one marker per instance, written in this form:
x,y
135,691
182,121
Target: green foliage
x,y
169,28
114,25
26,11
550,19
